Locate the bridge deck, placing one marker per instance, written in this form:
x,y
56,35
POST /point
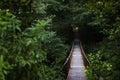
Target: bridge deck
x,y
77,68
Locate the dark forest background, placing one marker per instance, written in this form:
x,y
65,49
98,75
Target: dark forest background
x,y
36,37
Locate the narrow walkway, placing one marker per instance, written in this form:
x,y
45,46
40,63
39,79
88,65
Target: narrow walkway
x,y
77,68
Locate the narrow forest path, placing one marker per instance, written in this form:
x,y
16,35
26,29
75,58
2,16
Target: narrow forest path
x,y
77,67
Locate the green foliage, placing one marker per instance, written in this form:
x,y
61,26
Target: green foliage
x,y
98,67
105,61
104,15
4,67
28,11
28,52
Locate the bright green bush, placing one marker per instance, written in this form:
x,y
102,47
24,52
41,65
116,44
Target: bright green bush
x,y
29,51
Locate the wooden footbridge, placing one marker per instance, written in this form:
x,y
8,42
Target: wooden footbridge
x,y
77,62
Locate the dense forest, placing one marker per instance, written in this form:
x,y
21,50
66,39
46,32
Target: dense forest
x,y
36,37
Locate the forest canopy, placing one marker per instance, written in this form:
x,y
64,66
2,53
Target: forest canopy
x,y
36,36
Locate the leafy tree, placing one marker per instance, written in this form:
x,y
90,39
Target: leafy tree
x,y
105,16
26,52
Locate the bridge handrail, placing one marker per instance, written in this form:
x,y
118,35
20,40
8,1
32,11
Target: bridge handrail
x,y
84,53
68,56
67,59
